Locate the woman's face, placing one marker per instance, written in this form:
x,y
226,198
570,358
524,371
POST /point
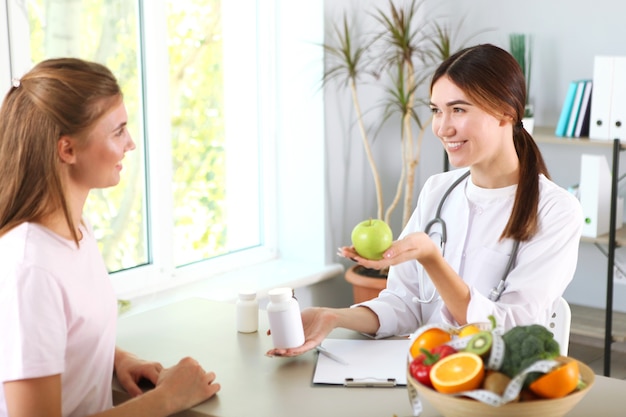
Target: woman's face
x,y
98,161
471,136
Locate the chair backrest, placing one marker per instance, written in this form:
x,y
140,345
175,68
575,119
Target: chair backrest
x,y
560,323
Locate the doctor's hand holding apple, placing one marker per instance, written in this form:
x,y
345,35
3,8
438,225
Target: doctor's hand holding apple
x,y
373,246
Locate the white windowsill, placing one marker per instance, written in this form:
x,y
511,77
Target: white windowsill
x,y
224,287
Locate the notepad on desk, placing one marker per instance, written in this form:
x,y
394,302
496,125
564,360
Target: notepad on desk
x,y
367,363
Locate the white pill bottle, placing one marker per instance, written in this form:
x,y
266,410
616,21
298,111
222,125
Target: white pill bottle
x,y
285,320
247,312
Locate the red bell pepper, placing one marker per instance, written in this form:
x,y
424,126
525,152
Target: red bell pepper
x,y
422,364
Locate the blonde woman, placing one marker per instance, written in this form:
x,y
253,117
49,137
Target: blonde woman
x,y
62,133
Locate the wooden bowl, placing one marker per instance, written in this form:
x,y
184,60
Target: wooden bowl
x,y
451,406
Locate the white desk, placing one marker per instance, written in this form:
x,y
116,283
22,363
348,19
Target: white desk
x,y
255,385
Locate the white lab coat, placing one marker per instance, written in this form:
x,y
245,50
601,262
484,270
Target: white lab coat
x,y
475,218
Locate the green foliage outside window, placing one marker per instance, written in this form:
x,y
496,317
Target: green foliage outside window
x,y
196,94
107,31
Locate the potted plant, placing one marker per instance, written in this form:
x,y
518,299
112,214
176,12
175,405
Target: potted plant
x,y
399,57
520,45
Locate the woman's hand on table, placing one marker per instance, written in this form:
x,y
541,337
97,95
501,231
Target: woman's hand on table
x,y
186,384
129,370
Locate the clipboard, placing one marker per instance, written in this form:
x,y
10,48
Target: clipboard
x,y
367,363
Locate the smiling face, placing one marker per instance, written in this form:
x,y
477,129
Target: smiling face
x,y
97,160
471,136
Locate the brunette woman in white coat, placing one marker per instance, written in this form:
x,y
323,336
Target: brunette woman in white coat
x,y
512,235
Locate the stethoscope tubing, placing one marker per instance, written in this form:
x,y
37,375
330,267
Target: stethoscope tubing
x,y
437,219
497,291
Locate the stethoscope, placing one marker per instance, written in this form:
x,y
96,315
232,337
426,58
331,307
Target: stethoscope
x,y
496,291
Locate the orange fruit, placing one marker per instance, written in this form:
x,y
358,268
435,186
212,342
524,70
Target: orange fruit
x,y
558,382
431,338
461,371
468,330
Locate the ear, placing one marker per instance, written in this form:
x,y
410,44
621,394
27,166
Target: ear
x,y
66,150
506,119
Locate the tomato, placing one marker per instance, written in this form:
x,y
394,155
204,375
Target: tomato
x,y
558,382
428,340
420,366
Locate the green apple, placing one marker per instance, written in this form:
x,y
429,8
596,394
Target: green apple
x,y
371,238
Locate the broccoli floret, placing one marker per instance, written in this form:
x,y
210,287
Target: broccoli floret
x,y
524,345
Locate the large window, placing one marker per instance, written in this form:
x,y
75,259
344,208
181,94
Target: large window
x,y
109,32
203,87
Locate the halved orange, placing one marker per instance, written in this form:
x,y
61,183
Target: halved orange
x,y
461,371
428,340
558,382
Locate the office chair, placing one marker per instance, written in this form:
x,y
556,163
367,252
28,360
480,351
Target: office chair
x,y
560,323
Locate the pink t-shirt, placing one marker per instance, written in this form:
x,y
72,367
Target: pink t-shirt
x,y
58,314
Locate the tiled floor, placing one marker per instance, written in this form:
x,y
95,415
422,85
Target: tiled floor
x,y
591,352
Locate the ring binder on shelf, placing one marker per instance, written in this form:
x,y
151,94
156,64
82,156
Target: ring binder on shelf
x,y
595,195
608,98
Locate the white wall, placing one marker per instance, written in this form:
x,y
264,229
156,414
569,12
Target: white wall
x,y
567,35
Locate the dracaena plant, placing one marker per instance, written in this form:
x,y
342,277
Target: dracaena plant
x,y
399,56
520,46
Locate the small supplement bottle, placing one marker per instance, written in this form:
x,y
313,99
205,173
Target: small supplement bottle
x,y
247,312
285,320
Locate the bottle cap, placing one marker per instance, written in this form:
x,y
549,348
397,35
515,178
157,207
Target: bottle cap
x,y
247,294
280,294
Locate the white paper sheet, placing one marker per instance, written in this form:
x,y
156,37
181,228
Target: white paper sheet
x,y
369,362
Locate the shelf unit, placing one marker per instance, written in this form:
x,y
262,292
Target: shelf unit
x,y
614,238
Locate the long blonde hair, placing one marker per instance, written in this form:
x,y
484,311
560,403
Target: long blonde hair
x,y
64,96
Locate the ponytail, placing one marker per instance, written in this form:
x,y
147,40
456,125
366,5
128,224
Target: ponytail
x,y
522,224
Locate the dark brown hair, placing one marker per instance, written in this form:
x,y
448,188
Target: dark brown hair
x,y
57,97
494,81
